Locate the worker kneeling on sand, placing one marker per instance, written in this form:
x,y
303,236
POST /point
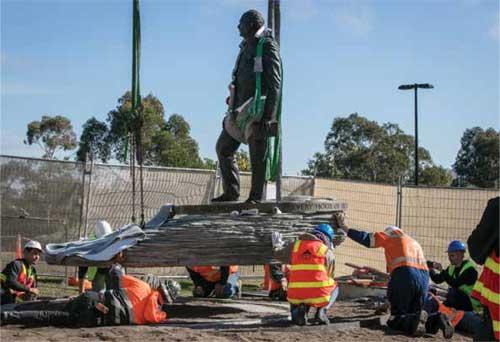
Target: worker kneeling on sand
x,y
276,281
409,276
128,301
311,281
460,276
221,281
19,279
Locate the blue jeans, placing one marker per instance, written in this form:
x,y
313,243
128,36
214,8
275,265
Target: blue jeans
x,y
407,292
230,289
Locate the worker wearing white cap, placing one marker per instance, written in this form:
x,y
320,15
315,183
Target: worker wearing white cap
x,y
19,279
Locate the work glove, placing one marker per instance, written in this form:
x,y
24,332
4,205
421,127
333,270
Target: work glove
x,y
277,241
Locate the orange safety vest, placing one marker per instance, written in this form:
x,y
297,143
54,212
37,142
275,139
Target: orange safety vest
x,y
145,302
400,250
487,290
309,281
453,315
212,273
269,283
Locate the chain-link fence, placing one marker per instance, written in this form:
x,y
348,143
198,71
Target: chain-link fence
x,y
56,201
433,216
40,200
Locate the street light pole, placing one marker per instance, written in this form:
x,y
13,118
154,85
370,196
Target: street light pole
x,y
416,86
416,135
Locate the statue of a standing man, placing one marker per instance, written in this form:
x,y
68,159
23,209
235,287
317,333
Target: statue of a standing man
x,y
243,89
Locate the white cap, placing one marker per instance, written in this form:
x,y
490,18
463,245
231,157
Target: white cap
x,y
102,228
33,244
391,229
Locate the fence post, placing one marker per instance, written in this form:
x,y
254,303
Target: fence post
x,y
399,202
82,199
215,186
88,196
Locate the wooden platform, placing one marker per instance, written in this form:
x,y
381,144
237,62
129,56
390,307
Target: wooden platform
x,y
210,235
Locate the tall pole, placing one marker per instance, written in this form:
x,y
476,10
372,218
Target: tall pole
x,y
274,23
416,135
415,86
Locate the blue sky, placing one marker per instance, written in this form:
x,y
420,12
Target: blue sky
x,y
73,58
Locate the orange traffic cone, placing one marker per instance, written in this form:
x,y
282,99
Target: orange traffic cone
x,y
19,252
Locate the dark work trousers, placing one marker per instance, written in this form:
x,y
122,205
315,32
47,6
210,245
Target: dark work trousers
x,y
458,300
79,311
230,289
226,147
407,292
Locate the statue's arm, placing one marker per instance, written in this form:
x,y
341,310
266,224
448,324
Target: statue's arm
x,y
271,77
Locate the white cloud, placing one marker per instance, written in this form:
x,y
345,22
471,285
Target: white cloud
x,y
355,18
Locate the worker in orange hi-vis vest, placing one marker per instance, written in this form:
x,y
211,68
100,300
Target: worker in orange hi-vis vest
x,y
409,276
276,281
310,282
483,249
220,281
128,300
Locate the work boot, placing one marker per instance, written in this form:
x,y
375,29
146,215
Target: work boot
x,y
165,293
198,291
419,328
299,314
321,317
445,326
224,198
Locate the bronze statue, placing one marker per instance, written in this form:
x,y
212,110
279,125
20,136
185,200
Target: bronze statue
x,y
257,72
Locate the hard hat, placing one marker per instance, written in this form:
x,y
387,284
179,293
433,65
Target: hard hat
x,y
102,228
33,245
391,229
456,246
325,229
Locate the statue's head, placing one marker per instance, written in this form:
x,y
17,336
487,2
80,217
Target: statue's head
x,y
250,22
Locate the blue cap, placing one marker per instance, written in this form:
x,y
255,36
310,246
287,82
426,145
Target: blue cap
x,y
456,246
325,229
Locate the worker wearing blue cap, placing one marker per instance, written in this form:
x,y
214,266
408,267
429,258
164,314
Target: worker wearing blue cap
x,y
460,276
310,282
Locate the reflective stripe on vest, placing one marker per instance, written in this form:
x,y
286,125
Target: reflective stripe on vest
x,y
467,289
25,277
309,282
402,250
451,272
487,290
453,315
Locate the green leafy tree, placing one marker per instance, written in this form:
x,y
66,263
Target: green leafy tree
x,y
477,161
243,161
360,149
208,164
51,134
94,141
121,120
435,176
173,145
